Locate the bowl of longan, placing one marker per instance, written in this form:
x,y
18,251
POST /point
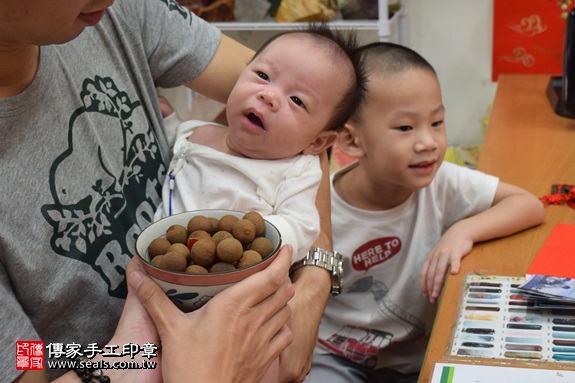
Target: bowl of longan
x,y
194,255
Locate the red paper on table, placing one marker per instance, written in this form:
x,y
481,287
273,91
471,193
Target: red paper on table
x,y
557,256
528,36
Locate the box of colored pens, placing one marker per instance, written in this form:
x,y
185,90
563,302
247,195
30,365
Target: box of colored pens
x,y
498,320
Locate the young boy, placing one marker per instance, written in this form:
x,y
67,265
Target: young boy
x,y
402,218
299,89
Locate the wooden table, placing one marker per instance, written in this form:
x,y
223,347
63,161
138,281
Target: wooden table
x,y
527,145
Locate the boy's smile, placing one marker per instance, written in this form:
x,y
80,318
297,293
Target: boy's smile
x,y
425,168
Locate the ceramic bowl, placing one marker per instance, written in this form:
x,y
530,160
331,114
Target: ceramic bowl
x,y
191,291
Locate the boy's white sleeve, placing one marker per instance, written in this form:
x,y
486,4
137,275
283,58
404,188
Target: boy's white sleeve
x,y
462,192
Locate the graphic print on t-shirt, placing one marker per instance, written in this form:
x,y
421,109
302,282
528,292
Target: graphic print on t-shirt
x,y
96,219
175,6
362,345
375,252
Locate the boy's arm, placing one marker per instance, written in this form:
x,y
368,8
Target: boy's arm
x,y
513,209
312,290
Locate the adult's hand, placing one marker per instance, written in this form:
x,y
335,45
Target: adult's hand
x,y
135,327
312,286
234,337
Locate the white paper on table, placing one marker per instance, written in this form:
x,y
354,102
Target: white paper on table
x,y
468,373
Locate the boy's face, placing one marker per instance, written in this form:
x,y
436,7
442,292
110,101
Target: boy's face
x,y
41,22
285,97
402,130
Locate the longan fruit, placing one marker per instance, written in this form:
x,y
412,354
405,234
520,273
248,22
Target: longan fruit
x,y
244,231
196,236
221,235
180,248
200,234
214,221
249,257
262,245
203,252
174,261
196,269
158,261
177,234
229,250
222,266
227,222
158,246
258,221
200,222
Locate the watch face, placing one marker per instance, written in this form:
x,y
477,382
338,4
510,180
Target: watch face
x,y
336,281
337,273
336,285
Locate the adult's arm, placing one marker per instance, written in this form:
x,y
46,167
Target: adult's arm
x,y
218,78
312,290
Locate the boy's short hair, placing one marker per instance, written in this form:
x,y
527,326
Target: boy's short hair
x,y
345,48
385,58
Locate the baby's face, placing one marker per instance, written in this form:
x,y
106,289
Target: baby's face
x,y
285,98
402,129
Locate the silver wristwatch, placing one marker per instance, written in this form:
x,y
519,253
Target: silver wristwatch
x,y
329,260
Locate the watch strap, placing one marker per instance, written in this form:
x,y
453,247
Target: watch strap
x,y
329,260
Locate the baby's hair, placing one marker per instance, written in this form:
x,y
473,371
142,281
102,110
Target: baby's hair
x,y
345,47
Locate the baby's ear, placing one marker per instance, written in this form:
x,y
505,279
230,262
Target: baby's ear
x,y
323,141
348,141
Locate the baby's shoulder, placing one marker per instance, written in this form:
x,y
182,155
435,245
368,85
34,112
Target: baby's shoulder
x,y
208,134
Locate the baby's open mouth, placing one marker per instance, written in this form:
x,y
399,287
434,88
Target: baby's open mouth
x,y
255,119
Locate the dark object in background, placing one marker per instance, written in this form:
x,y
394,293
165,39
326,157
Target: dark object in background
x,y
365,9
211,10
274,6
359,9
561,89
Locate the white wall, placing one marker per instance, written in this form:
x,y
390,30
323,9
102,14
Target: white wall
x,y
454,36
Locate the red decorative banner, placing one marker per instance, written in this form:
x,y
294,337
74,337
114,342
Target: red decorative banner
x,y
528,36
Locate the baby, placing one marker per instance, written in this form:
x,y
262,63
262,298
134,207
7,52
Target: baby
x,y
286,107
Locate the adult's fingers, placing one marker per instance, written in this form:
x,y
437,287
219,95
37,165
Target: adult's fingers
x,y
132,301
271,284
257,307
153,298
281,340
